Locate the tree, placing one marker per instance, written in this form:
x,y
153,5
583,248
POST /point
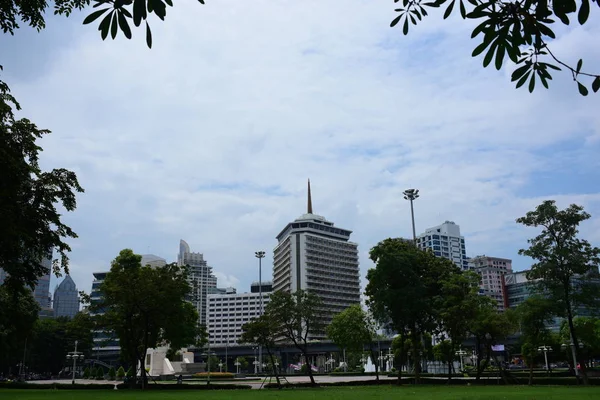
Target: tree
x,y
405,288
262,331
30,224
86,372
18,315
117,14
351,330
99,373
518,29
534,316
112,373
564,263
121,372
296,316
146,307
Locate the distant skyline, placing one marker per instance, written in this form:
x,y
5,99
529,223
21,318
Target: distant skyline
x,y
211,135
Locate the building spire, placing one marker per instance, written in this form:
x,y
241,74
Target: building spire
x,y
309,199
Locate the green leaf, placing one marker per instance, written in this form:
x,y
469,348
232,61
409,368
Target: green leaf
x,y
405,28
582,89
517,73
500,56
544,30
596,84
579,65
148,36
139,11
449,9
124,26
480,28
463,11
523,79
105,26
114,26
395,21
94,16
532,83
169,2
584,12
490,54
479,49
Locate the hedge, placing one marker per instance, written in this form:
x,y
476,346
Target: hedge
x,y
183,386
214,375
68,386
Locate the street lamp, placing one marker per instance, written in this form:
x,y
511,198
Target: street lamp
x,y
461,353
237,365
545,349
411,195
260,255
74,355
221,366
564,347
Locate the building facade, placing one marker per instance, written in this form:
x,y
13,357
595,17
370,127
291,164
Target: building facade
x,y
153,261
200,276
314,255
228,312
492,271
445,241
66,299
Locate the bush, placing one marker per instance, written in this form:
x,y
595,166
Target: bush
x,y
99,374
86,373
93,372
130,372
68,386
121,372
214,375
112,373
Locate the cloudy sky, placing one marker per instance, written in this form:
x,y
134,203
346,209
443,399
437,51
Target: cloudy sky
x,y
211,135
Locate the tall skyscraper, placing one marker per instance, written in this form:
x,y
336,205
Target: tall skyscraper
x,y
316,256
66,299
41,291
492,271
201,278
445,241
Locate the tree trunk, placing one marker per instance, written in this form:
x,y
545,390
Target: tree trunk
x,y
531,372
575,346
478,362
402,358
417,357
308,367
375,360
275,371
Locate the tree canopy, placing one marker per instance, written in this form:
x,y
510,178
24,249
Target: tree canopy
x,y
521,31
566,267
263,331
30,224
146,307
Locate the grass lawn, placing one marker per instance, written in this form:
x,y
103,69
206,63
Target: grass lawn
x,y
340,393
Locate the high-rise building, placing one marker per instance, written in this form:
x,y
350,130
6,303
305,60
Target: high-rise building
x,y
445,241
41,291
200,276
314,255
66,299
153,261
492,271
228,312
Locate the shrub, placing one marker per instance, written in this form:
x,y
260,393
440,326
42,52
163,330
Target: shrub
x,y
130,372
214,375
167,386
112,373
93,372
99,374
86,372
68,386
121,372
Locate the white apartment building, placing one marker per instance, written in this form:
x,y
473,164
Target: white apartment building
x,y
316,256
445,241
228,312
200,276
492,271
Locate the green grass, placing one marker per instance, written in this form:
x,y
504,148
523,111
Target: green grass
x,y
344,393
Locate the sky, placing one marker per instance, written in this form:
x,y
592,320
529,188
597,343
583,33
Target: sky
x,y
211,135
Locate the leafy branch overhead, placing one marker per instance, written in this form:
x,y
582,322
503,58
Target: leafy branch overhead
x,y
520,30
118,13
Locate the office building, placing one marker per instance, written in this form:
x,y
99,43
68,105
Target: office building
x,y
41,290
153,261
66,299
228,312
492,271
313,254
445,241
200,276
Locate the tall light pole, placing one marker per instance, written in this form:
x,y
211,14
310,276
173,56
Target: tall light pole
x,y
260,255
75,355
411,195
545,349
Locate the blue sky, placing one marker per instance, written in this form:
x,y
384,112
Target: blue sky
x,y
211,135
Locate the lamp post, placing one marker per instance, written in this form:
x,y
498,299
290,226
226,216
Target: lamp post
x,y
572,344
75,355
237,365
255,362
461,353
545,349
411,195
221,366
260,255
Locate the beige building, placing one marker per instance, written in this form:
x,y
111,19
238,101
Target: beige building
x,y
492,271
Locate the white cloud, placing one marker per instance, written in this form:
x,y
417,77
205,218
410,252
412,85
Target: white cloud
x,y
258,96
